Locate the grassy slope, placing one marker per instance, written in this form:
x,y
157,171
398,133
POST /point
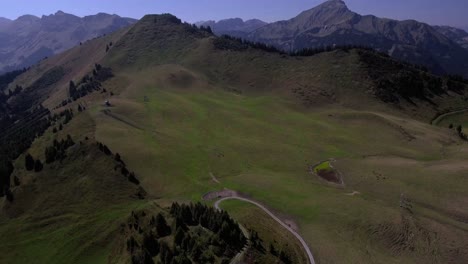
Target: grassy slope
x,y
261,143
233,115
66,213
262,147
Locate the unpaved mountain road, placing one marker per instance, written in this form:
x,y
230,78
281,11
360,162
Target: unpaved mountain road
x,y
439,118
301,240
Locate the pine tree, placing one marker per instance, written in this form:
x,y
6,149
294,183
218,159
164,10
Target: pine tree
x,y
151,244
29,162
69,142
117,157
162,229
179,236
72,90
38,166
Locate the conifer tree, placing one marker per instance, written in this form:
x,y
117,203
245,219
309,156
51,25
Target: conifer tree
x,y
29,162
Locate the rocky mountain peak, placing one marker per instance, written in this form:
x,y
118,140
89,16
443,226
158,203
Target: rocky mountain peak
x,y
328,13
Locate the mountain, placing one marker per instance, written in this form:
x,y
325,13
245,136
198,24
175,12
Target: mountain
x,y
4,22
332,23
460,36
29,39
337,143
234,26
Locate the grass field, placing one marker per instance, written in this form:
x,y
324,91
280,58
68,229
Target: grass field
x,y
455,120
263,146
185,114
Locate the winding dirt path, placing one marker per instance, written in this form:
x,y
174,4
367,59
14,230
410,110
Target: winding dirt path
x,y
304,244
441,117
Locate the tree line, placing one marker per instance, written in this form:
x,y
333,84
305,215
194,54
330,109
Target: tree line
x,y
395,79
192,233
57,151
88,84
122,167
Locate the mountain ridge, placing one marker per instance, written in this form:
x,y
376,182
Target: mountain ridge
x,y
333,23
28,39
188,107
457,34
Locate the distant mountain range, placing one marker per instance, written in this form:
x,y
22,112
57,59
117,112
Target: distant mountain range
x,y
28,39
233,26
458,35
442,49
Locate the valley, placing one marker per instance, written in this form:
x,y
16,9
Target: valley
x,y
182,111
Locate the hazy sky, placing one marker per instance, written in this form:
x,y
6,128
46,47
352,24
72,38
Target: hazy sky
x,y
447,12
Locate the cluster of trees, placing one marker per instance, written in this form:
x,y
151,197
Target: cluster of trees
x,y
18,89
22,119
313,51
57,152
281,254
17,135
228,238
88,83
395,79
200,234
130,175
31,164
66,115
6,169
226,42
206,29
9,77
256,243
458,78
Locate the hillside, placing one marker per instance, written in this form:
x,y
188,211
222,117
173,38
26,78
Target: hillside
x,y
332,23
28,39
192,113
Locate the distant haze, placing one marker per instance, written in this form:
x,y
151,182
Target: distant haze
x,y
438,12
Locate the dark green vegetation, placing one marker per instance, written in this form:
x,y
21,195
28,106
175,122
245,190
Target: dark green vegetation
x,y
22,119
187,117
191,233
394,79
7,78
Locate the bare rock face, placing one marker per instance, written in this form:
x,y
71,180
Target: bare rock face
x,y
28,39
458,35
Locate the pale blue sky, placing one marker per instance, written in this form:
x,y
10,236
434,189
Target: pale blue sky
x,y
448,12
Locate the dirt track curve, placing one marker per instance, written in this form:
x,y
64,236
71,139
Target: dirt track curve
x,y
304,244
